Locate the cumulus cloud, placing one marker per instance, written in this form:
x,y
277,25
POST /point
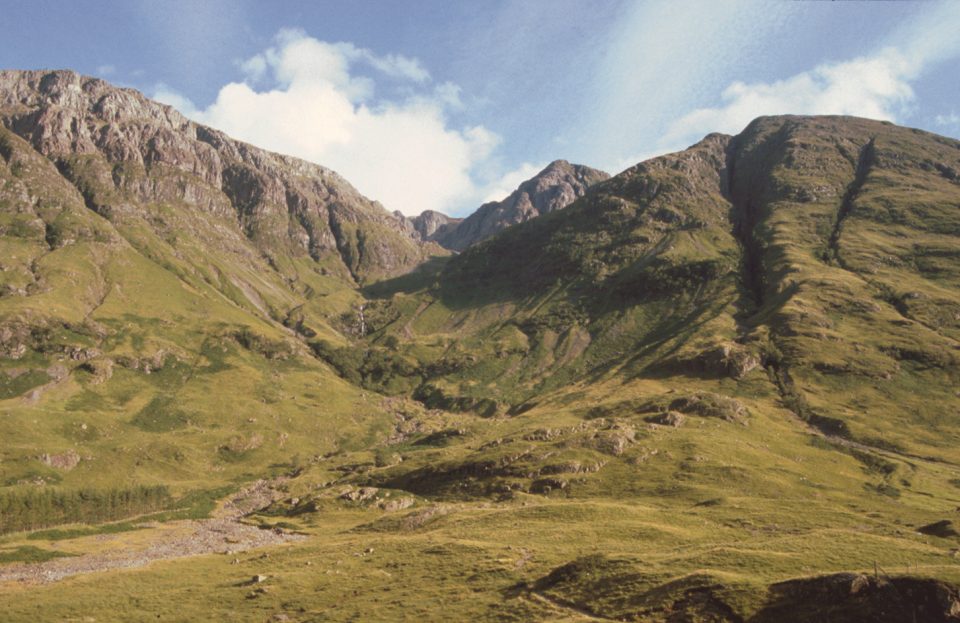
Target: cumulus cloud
x,y
877,87
319,101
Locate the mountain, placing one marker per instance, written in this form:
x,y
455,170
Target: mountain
x,y
432,225
553,188
117,148
158,282
822,249
719,386
756,337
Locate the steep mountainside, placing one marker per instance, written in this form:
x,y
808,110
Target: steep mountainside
x,y
824,248
158,280
719,386
120,149
762,325
556,187
648,255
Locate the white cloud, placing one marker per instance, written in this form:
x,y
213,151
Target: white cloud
x,y
877,87
449,94
394,65
106,70
323,107
673,72
254,68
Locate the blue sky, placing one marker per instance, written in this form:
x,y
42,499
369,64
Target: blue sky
x,y
443,104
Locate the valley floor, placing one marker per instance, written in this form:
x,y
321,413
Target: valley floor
x,y
531,558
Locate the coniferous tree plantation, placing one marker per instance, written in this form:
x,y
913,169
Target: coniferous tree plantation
x,y
33,509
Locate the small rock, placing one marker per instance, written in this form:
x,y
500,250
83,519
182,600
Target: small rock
x,y
65,461
359,495
707,404
546,485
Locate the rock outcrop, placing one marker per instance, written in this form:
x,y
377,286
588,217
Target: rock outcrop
x,y
432,225
554,188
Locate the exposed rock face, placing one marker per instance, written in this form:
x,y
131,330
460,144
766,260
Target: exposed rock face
x,y
434,225
556,187
122,151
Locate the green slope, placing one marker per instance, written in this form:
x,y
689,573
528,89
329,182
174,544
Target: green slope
x,y
158,281
119,350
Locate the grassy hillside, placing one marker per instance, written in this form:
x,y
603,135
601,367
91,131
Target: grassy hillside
x,y
158,283
126,363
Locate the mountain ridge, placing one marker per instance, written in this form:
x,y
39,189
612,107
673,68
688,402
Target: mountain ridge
x,y
62,113
553,188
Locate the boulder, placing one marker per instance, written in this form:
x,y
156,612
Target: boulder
x,y
674,419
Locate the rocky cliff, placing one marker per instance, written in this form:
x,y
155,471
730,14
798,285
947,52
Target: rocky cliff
x,y
124,152
556,187
432,225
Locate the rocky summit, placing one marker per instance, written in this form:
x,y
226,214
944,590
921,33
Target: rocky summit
x,y
432,225
721,385
556,187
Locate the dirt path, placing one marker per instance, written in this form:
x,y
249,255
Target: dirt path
x,y
221,534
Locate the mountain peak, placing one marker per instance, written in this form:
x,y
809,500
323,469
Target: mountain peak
x,y
553,188
559,163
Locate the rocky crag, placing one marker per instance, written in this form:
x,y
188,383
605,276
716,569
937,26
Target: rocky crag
x,y
556,187
121,151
